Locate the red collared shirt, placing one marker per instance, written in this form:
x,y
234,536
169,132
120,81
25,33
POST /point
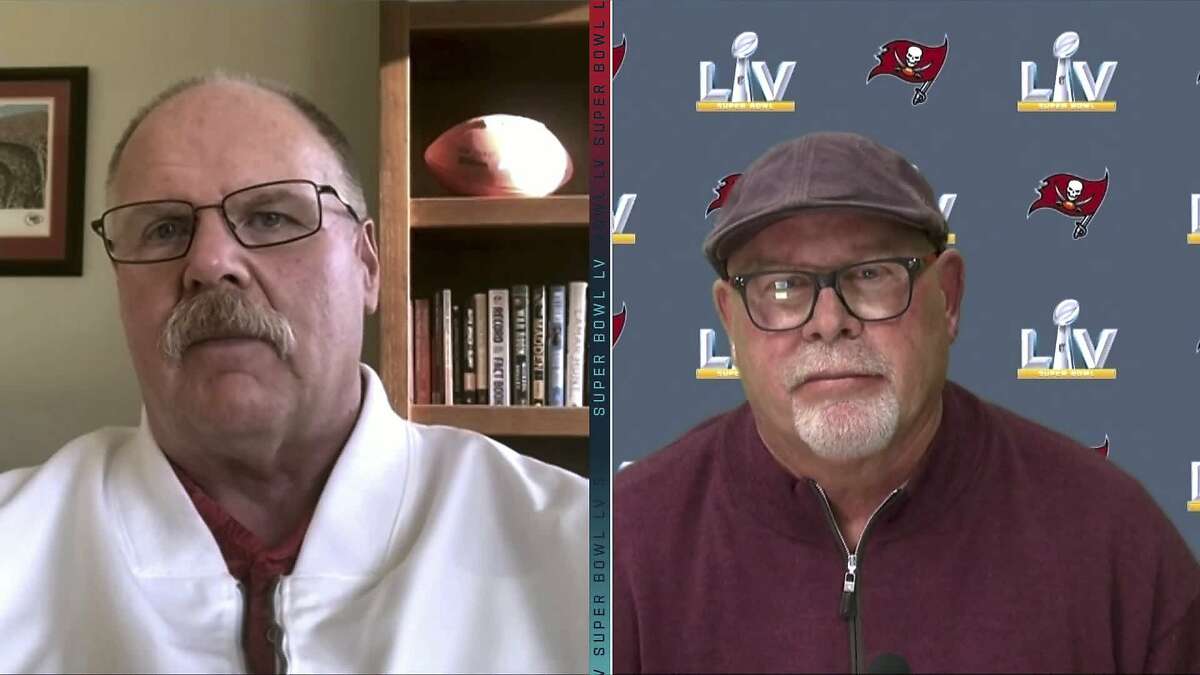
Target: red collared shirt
x,y
258,568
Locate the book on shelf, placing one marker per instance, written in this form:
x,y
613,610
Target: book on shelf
x,y
537,345
576,341
482,380
519,318
500,385
422,367
447,373
468,352
523,345
437,382
556,330
456,359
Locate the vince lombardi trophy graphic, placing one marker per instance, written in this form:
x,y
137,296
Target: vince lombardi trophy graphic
x,y
744,45
1065,314
1065,46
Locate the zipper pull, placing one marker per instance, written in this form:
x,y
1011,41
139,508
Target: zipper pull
x,y
275,638
849,607
275,634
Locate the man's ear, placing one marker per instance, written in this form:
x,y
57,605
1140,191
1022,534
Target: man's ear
x,y
725,301
952,281
368,253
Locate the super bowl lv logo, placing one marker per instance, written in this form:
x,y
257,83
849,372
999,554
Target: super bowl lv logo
x,y
1071,196
1194,236
713,367
620,218
1061,364
1193,504
912,62
1062,97
740,97
946,206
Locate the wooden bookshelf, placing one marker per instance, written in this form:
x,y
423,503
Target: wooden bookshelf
x,y
570,211
440,64
510,421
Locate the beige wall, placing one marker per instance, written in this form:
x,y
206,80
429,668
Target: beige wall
x,y
64,369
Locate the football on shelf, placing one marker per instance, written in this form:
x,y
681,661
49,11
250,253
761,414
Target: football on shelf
x,y
499,156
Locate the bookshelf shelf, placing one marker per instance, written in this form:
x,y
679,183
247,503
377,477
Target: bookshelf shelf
x,y
507,420
564,210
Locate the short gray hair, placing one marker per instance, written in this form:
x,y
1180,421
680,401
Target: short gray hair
x,y
325,126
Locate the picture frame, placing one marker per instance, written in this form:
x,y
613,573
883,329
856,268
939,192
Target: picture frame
x,y
43,146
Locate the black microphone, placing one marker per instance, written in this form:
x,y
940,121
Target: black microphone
x,y
889,663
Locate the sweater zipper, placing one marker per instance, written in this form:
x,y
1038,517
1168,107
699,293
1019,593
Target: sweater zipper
x,y
275,634
241,627
849,604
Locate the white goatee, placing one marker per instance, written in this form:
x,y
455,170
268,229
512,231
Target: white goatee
x,y
851,427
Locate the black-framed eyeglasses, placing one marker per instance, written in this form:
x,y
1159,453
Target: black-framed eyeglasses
x,y
259,216
873,290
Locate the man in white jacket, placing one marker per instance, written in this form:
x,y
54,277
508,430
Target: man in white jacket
x,y
272,513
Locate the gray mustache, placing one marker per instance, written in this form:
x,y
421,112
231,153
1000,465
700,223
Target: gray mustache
x,y
224,314
825,359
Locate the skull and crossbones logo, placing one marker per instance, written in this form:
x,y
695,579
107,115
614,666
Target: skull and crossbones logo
x,y
1071,201
908,63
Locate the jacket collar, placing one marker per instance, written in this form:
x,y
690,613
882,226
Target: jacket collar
x,y
759,486
351,531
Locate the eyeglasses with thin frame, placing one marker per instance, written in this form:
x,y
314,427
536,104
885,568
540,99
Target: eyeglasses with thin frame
x,y
259,216
872,290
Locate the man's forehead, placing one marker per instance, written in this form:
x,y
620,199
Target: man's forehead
x,y
219,137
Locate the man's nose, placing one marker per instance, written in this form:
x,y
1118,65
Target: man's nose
x,y
215,254
830,319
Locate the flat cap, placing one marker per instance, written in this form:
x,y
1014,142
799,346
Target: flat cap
x,y
823,170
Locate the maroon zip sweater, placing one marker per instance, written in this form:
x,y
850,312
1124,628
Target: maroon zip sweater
x,y
1013,549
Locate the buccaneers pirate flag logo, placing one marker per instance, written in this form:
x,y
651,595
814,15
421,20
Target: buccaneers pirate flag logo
x,y
618,56
724,185
1072,196
912,62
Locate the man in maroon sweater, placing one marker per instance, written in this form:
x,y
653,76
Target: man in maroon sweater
x,y
860,512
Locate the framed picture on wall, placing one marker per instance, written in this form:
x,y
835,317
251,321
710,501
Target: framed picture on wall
x,y
43,138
